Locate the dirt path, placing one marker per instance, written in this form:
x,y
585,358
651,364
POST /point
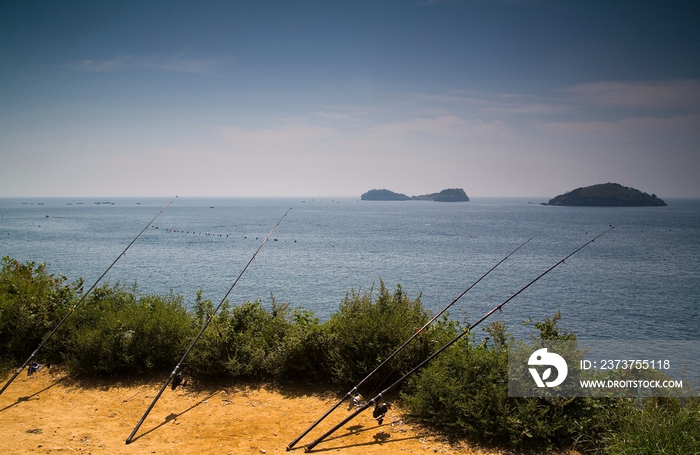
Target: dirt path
x,y
50,413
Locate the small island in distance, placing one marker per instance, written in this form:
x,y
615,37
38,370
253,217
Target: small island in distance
x,y
606,195
448,195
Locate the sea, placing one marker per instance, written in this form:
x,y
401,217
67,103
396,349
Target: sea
x,y
638,281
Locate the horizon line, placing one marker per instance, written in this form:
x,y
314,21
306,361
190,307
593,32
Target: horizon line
x,y
278,197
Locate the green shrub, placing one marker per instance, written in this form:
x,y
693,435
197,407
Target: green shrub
x,y
32,302
253,335
365,331
656,426
465,391
301,355
117,332
248,341
208,356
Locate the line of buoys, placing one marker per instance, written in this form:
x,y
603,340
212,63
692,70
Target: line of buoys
x,y
206,234
180,231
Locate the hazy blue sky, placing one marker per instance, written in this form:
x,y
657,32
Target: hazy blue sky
x,y
333,98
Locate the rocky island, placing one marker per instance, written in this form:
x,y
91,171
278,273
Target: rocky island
x,y
384,195
606,195
448,195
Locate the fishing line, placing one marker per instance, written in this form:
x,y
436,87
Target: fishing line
x,y
31,357
417,333
201,331
378,397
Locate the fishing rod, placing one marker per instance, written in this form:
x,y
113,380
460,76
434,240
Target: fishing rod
x,y
376,399
19,370
201,331
417,333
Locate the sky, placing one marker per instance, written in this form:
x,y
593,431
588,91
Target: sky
x,y
502,98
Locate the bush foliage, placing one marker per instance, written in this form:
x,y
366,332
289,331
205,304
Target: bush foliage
x,y
32,302
366,329
466,391
119,331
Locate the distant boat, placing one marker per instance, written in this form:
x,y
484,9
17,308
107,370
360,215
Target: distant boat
x,y
98,202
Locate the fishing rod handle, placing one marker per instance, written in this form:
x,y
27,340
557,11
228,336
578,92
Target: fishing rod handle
x,y
7,384
148,411
310,447
291,445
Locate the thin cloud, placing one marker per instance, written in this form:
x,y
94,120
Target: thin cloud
x,y
446,125
205,66
288,138
354,115
681,93
671,94
177,63
116,64
503,103
335,115
456,97
302,139
630,127
527,108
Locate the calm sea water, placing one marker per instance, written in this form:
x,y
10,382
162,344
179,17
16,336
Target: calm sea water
x,y
639,281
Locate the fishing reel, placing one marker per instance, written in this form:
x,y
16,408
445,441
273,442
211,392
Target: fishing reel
x,y
380,410
34,367
178,379
356,401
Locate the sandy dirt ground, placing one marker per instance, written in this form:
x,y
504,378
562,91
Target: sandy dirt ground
x,y
51,413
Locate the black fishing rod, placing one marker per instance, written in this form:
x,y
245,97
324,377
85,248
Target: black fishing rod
x,y
417,333
19,370
376,399
201,331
